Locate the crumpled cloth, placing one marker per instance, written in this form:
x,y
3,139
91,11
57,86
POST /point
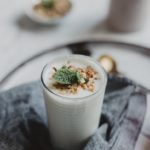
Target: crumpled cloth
x,y
23,121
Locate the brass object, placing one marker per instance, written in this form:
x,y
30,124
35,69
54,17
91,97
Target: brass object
x,y
108,63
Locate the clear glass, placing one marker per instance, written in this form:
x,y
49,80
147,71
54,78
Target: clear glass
x,y
72,121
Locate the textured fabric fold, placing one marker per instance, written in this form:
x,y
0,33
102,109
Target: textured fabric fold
x,y
23,123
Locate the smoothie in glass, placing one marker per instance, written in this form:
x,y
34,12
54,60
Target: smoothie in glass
x,y
73,88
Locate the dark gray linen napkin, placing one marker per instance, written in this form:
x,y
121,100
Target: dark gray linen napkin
x,y
23,123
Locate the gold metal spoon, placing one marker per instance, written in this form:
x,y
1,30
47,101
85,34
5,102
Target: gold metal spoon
x,y
109,64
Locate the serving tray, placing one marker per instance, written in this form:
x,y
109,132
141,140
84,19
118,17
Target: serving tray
x,y
133,61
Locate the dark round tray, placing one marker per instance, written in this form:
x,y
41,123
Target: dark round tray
x,y
124,53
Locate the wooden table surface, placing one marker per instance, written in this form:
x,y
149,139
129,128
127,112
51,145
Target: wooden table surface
x,y
21,38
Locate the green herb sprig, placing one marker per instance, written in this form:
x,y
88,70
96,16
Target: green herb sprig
x,y
67,76
48,3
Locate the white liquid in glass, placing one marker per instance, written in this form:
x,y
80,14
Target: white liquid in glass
x,y
73,118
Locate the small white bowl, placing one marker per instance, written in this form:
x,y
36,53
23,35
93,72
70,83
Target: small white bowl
x,y
37,18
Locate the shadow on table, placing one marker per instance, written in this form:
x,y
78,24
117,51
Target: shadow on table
x,y
104,27
25,23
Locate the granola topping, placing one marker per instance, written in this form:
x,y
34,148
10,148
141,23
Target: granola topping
x,y
52,8
70,79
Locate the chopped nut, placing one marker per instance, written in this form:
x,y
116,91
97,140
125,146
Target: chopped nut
x,y
88,77
55,69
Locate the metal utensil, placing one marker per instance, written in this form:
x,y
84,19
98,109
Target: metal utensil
x,y
110,66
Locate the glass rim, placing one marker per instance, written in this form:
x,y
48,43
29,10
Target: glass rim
x,y
73,98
